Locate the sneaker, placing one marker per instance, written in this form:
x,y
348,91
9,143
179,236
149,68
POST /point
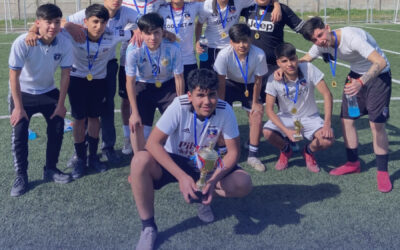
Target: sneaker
x,y
255,163
79,168
205,213
72,161
127,148
54,174
347,168
20,185
283,161
96,164
110,155
383,180
147,238
311,163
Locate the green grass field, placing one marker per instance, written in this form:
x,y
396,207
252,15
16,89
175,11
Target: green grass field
x,y
292,209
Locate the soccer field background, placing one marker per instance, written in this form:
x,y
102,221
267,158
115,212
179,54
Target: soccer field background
x,y
291,209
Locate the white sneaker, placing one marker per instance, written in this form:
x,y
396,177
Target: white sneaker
x,y
205,213
127,148
147,238
255,163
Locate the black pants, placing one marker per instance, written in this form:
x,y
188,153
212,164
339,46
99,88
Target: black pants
x,y
45,104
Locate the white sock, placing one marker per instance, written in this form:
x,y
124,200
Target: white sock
x,y
126,130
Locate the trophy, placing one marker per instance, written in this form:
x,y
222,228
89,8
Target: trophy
x,y
206,161
298,127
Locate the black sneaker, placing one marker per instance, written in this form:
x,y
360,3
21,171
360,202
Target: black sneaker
x,y
110,155
96,164
20,185
79,168
54,174
72,161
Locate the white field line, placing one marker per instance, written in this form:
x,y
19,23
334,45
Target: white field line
x,y
374,28
2,117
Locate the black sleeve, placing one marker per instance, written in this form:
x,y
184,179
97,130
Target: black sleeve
x,y
290,18
245,12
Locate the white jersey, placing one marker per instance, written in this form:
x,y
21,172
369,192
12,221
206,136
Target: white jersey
x,y
217,35
185,23
39,63
151,6
125,18
82,57
177,122
305,104
355,47
226,64
166,61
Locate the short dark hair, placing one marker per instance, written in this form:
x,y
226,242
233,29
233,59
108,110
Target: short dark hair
x,y
285,50
310,25
97,10
205,79
48,11
239,32
150,21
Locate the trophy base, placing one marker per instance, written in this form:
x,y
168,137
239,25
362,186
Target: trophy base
x,y
298,137
200,196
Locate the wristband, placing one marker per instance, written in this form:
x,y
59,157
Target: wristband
x,y
360,81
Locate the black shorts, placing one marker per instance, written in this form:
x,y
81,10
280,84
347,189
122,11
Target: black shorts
x,y
186,70
87,98
234,91
373,98
187,165
149,97
122,83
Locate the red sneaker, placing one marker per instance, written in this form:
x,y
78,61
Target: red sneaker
x,y
283,160
311,163
347,168
383,180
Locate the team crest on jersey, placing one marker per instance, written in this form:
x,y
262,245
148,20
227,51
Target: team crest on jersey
x,y
303,82
121,33
261,12
164,62
186,15
232,9
212,132
57,56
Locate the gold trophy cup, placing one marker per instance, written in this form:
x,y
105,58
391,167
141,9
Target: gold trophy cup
x,y
298,127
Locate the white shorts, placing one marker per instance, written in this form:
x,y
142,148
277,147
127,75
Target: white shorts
x,y
311,125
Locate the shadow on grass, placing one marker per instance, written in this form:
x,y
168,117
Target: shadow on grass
x,y
265,205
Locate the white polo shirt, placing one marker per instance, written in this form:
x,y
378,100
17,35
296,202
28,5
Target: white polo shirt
x,y
214,27
80,67
186,22
305,104
166,59
39,63
177,122
355,47
226,64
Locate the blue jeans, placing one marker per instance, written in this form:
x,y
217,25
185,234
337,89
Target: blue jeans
x,y
107,117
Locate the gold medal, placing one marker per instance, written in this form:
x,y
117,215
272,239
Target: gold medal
x,y
178,39
246,93
293,111
242,19
164,62
257,35
158,84
223,35
89,77
334,84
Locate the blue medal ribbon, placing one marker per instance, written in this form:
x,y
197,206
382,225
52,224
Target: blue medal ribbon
x,y
297,90
90,64
333,67
244,75
137,8
258,24
173,19
195,129
153,71
223,22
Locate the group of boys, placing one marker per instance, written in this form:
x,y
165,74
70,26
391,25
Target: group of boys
x,y
157,77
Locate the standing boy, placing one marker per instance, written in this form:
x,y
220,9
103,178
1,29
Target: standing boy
x,y
297,108
240,68
33,91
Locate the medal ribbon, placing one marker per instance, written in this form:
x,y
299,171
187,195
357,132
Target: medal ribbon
x,y
223,22
195,129
241,69
137,8
297,90
258,24
333,68
90,64
154,72
173,19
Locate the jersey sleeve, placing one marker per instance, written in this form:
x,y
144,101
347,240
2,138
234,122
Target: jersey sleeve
x,y
361,46
203,13
270,88
221,64
314,52
67,57
314,74
132,55
169,121
262,67
245,3
18,53
291,19
132,19
230,128
77,18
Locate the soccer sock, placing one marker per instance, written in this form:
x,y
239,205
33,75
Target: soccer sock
x,y
222,150
352,154
93,145
80,149
308,150
253,150
126,130
382,162
149,223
